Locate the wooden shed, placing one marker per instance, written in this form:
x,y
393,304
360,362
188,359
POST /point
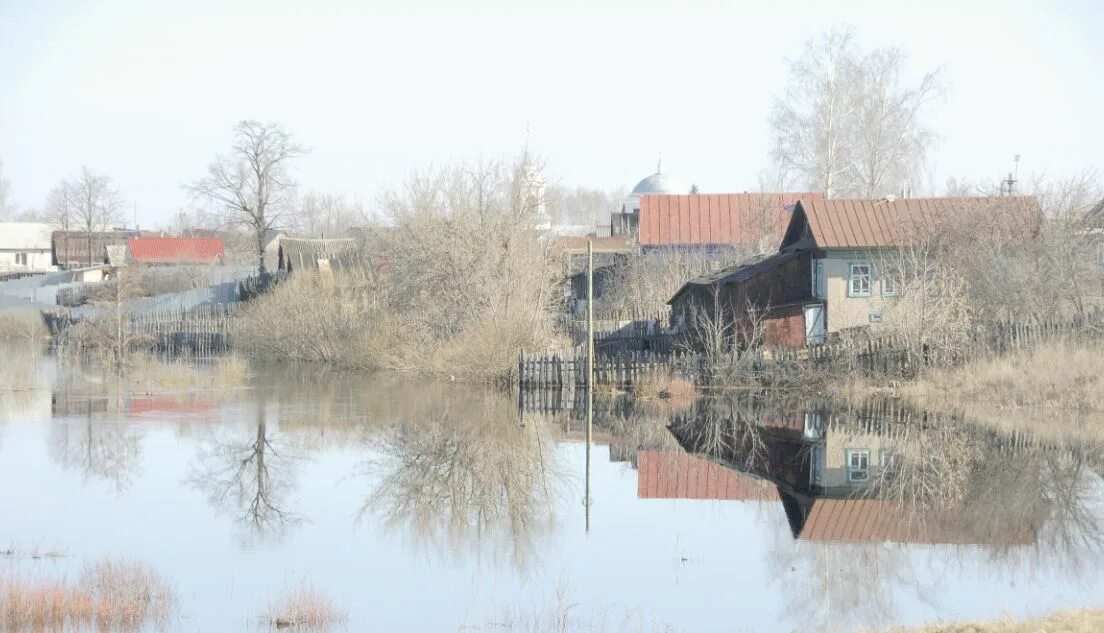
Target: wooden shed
x,y
297,253
772,292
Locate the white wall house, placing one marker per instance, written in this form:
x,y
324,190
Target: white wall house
x,y
25,247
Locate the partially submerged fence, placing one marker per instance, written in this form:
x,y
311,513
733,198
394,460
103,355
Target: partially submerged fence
x,y
562,368
200,331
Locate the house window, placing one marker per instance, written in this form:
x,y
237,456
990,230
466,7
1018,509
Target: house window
x,y
858,464
21,259
890,288
818,279
888,460
858,284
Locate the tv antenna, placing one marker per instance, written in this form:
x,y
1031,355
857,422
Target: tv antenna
x,y
1008,185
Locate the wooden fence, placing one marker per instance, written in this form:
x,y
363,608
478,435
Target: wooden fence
x,y
201,331
564,368
619,361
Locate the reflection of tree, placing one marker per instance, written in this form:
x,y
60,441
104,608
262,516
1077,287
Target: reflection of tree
x,y
99,449
463,470
248,474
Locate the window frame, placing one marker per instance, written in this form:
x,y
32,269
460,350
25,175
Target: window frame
x,y
851,470
851,266
896,292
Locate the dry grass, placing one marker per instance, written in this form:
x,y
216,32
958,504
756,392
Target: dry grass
x,y
108,595
304,609
1054,391
24,324
1064,622
1063,375
146,373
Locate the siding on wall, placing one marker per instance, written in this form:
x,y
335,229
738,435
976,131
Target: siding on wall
x,y
847,312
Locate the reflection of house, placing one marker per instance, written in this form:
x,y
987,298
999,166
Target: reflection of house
x,y
848,479
175,250
679,475
847,249
25,247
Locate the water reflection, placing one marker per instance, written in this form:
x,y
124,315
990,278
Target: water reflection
x,y
853,481
456,472
249,471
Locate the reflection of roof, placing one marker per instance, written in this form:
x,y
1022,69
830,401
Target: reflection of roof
x,y
166,404
716,219
668,475
879,520
892,222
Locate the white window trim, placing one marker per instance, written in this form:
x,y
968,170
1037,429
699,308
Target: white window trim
x,y
848,453
896,286
851,279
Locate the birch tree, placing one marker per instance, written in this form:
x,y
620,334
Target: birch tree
x,y
251,187
846,126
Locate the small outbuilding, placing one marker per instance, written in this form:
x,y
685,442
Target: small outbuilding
x,y
327,254
175,250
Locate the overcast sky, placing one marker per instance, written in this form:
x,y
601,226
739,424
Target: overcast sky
x,y
147,92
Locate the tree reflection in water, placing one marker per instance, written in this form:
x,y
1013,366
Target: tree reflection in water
x,y
967,494
457,472
249,472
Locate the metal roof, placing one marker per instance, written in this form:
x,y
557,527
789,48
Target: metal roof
x,y
863,520
716,219
868,223
668,475
176,250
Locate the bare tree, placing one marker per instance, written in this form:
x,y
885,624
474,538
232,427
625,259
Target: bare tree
x,y
845,125
90,202
812,120
328,215
251,187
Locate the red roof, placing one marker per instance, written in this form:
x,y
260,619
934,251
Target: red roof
x,y
663,475
879,223
746,219
176,250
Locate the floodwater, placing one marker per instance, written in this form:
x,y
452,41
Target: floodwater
x,y
436,507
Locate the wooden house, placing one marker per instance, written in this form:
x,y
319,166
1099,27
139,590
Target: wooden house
x,y
831,271
79,249
766,293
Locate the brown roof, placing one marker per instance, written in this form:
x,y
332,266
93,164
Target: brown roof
x,y
879,520
716,219
880,223
669,475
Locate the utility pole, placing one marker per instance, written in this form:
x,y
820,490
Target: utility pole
x,y
590,373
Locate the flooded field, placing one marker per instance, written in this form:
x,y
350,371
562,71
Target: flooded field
x,y
439,507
